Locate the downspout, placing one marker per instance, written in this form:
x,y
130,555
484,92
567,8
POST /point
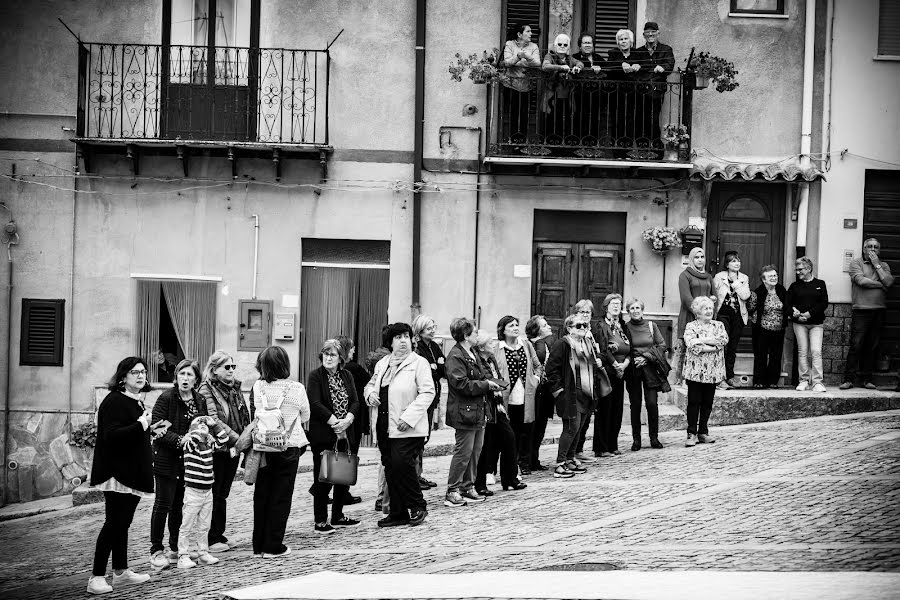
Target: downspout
x,y
418,156
826,95
806,117
255,251
476,312
6,369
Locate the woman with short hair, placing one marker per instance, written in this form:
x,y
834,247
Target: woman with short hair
x,y
616,360
806,301
424,345
538,331
624,62
467,389
732,292
333,405
177,405
584,308
274,486
704,367
648,375
768,329
402,389
225,403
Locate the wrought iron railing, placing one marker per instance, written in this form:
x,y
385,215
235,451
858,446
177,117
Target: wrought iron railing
x,y
154,92
587,116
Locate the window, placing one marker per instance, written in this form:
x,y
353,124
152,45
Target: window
x,y
42,332
600,17
757,7
889,29
174,320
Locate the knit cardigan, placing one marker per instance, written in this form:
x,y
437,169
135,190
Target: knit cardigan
x,y
123,446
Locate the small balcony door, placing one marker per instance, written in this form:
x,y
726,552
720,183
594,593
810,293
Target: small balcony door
x,y
210,69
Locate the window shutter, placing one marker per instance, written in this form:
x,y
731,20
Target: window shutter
x,y
609,17
889,28
525,12
42,332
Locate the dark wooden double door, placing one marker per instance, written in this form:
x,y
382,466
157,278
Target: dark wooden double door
x,y
567,272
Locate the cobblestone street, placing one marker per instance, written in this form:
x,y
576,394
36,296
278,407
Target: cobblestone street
x,y
817,494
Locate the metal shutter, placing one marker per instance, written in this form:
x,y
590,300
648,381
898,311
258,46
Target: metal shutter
x,y
42,332
526,12
888,28
609,17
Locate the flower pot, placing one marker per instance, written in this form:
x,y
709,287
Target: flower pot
x,y
479,79
684,152
702,82
670,154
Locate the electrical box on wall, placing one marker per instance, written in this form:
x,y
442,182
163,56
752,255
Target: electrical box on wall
x,y
254,325
284,326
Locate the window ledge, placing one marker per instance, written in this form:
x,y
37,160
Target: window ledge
x,y
756,16
886,57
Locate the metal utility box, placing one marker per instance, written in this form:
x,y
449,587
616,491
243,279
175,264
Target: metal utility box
x,y
254,324
283,329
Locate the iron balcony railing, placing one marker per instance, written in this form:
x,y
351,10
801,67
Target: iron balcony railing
x,y
590,116
154,92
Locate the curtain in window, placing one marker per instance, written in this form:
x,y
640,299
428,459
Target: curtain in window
x,y
192,307
146,325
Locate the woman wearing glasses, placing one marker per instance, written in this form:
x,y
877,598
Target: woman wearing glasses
x,y
122,470
224,402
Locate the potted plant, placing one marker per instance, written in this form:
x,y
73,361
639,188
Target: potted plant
x,y
662,239
674,136
713,69
481,70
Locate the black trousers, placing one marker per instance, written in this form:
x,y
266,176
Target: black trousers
x,y
734,325
321,489
607,431
767,348
865,334
272,496
113,538
544,408
522,431
583,429
499,441
166,506
399,457
649,396
699,407
224,468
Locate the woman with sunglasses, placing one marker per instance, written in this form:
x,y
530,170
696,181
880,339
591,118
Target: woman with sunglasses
x,y
224,402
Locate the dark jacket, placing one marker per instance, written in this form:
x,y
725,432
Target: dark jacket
x,y
467,390
806,296
360,379
494,399
656,372
435,357
561,382
123,447
615,58
761,294
167,456
322,408
220,397
663,57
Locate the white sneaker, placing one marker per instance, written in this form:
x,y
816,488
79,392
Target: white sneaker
x,y
207,559
819,388
159,560
185,562
219,547
804,385
129,577
98,585
490,479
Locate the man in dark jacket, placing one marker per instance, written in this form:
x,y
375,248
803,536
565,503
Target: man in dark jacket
x,y
658,61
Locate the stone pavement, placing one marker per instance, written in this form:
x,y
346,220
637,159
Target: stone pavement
x,y
818,494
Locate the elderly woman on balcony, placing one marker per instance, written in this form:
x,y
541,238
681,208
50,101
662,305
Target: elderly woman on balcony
x,y
519,54
625,64
557,101
589,106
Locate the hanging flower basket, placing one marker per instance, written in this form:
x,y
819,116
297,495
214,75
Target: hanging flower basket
x,y
662,239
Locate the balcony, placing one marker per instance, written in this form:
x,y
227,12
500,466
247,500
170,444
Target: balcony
x,y
222,100
587,121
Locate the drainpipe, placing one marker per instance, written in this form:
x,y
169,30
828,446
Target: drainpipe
x,y
826,95
806,116
418,155
255,251
6,369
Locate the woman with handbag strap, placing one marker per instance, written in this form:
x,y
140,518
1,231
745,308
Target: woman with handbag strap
x,y
273,391
333,403
646,379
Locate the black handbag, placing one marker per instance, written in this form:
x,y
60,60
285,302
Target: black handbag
x,y
339,468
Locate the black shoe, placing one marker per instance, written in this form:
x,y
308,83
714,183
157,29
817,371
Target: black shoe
x,y
485,492
636,445
538,467
391,521
351,499
655,443
344,521
519,485
378,505
424,486
525,471
426,482
758,386
417,517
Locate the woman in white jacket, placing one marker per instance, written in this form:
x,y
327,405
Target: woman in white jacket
x,y
732,292
402,388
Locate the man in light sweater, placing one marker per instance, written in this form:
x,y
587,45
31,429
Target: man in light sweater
x,y
871,277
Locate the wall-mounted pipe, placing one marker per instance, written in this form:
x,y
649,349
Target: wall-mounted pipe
x,y
6,369
418,156
255,251
806,115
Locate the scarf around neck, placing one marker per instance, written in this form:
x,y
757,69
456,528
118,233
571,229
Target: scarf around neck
x,y
394,363
581,361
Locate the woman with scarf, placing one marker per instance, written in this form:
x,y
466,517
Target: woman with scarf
x,y
648,375
570,379
333,405
499,438
402,388
225,403
557,103
693,282
617,363
538,332
425,346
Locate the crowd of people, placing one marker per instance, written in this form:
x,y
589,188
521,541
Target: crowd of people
x,y
502,388
610,101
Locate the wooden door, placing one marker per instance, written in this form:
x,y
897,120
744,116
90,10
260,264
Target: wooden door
x,y
749,219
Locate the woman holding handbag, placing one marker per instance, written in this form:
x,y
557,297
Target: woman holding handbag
x,y
649,374
282,403
332,402
402,388
539,332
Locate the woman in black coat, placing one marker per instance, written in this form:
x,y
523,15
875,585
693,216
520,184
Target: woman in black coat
x,y
122,470
333,403
178,406
769,323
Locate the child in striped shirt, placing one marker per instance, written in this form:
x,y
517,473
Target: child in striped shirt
x,y
204,435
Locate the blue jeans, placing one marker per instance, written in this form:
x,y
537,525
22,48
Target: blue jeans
x,y
809,344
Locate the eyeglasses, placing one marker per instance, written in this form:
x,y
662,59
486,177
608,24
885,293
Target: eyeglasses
x,y
229,367
137,372
330,354
580,326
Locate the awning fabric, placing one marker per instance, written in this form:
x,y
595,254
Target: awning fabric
x,y
709,167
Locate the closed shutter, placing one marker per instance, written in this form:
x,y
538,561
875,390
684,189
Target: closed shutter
x,y
526,12
609,17
888,28
881,217
42,332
